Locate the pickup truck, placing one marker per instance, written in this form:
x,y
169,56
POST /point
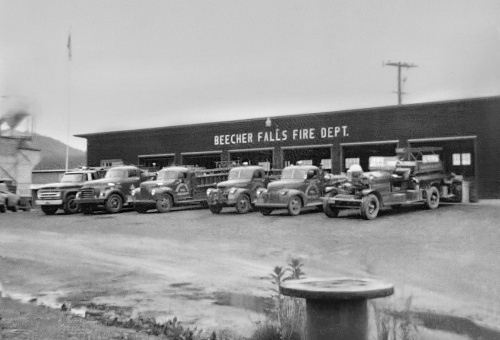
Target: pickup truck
x,y
113,191
239,191
61,195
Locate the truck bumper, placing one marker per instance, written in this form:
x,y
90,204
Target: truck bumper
x,y
221,200
143,202
344,202
90,200
48,202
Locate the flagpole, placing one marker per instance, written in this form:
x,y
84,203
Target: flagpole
x,y
69,101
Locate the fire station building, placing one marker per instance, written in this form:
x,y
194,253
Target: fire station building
x,y
468,131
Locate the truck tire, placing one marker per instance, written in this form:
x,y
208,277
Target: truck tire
x,y
114,203
265,211
14,207
141,208
330,210
243,204
294,206
70,206
432,198
49,209
86,209
2,208
370,207
215,208
165,203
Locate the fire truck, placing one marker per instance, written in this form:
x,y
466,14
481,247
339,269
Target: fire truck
x,y
300,186
113,191
414,175
239,191
176,186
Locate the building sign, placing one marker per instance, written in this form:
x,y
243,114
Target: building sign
x,y
278,135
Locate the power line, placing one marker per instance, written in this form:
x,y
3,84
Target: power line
x,y
399,66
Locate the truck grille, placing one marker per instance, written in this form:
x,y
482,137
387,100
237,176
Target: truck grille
x,y
48,194
87,193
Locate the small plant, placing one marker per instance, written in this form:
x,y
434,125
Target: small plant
x,y
396,326
287,319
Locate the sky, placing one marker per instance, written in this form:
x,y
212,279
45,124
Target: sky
x,y
152,63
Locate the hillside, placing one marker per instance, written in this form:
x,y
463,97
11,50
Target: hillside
x,y
54,154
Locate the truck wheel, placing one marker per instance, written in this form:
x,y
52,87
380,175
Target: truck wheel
x,y
114,203
141,208
70,206
370,207
330,210
265,211
432,199
294,206
165,203
49,209
215,209
2,208
87,209
243,204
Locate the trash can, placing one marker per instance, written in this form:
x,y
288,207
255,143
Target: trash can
x,y
465,191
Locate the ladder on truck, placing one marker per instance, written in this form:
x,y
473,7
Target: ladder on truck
x,y
208,178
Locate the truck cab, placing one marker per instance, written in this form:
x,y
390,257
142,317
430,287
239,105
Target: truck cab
x,y
300,186
239,191
112,192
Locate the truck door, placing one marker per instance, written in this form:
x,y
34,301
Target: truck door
x,y
183,187
314,186
258,181
132,181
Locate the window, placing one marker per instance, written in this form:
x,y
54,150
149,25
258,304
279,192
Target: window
x,y
265,165
326,164
351,161
461,159
430,158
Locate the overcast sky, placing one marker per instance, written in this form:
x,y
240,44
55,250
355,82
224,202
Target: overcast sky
x,y
139,64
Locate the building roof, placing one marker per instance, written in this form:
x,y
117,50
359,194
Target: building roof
x,y
362,110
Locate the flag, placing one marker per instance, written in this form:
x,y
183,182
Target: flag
x,y
69,46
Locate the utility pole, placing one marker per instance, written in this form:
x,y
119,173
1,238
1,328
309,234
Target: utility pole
x,y
399,65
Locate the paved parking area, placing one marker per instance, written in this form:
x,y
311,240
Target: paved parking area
x,y
213,269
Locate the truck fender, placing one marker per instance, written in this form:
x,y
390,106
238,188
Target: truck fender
x,y
167,190
65,196
115,191
241,191
367,192
295,192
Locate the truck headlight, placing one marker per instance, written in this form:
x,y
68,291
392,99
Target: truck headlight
x,y
209,191
260,191
78,194
284,192
57,194
232,190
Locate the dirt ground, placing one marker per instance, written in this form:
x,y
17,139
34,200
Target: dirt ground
x,y
213,270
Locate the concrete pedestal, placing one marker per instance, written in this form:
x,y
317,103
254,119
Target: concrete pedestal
x,y
337,308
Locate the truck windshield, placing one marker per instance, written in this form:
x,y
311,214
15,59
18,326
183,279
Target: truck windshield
x,y
240,174
169,174
113,173
294,173
72,178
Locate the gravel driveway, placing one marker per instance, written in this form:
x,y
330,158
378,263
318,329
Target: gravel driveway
x,y
212,270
